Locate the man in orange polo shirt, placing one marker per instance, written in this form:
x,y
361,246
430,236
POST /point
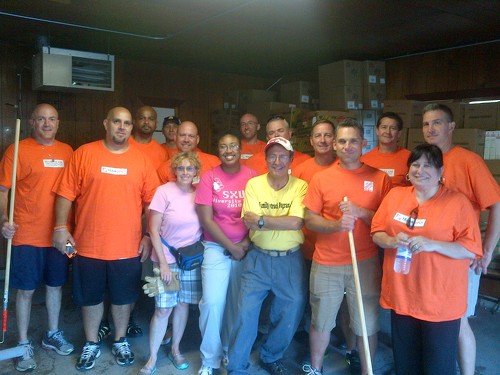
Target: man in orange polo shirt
x,y
276,126
466,172
110,183
144,128
187,141
41,159
169,130
250,144
331,217
388,156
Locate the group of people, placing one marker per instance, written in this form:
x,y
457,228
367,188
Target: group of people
x,y
274,226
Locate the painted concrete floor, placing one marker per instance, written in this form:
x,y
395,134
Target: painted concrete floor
x,y
486,326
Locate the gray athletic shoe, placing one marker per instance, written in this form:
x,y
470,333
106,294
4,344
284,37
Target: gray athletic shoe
x,y
58,343
26,362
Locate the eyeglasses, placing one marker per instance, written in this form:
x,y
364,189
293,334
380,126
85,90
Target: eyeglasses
x,y
190,169
281,158
232,146
410,222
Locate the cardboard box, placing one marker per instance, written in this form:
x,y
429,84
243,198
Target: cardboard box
x,y
403,139
492,145
415,138
341,73
227,120
365,116
369,133
341,98
373,72
494,167
409,110
239,99
334,116
373,96
481,116
300,92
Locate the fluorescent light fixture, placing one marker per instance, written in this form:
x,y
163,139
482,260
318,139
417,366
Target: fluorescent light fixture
x,y
485,101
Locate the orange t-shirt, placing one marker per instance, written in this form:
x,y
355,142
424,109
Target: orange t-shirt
x,y
108,191
248,150
394,164
38,168
435,289
466,172
365,187
207,161
258,161
305,171
156,153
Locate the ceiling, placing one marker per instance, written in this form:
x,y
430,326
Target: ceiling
x,y
266,38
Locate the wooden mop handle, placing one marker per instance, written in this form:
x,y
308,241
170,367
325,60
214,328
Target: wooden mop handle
x,y
11,221
360,302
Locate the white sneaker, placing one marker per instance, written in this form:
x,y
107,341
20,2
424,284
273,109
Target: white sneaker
x,y
205,370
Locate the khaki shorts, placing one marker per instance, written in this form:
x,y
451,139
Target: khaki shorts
x,y
327,287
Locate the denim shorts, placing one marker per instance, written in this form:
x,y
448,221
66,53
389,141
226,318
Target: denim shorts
x,y
92,277
32,265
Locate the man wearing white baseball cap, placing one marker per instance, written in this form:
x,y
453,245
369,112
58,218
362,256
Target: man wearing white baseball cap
x,y
274,214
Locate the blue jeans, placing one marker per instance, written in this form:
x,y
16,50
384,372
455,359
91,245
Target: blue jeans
x,y
284,277
220,277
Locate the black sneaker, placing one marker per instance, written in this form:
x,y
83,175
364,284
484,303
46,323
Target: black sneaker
x,y
104,330
121,350
90,353
353,362
133,329
274,368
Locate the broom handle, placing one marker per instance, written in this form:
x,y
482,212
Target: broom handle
x,y
11,221
360,302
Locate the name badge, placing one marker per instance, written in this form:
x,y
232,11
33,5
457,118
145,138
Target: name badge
x,y
53,163
114,171
368,186
390,172
402,218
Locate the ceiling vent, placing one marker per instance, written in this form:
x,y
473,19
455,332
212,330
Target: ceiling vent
x,y
59,69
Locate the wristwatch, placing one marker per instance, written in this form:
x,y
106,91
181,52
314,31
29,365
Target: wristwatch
x,y
260,223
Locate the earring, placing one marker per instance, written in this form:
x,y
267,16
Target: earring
x,y
407,177
441,180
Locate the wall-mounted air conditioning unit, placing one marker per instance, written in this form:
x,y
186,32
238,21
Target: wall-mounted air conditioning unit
x,y
66,70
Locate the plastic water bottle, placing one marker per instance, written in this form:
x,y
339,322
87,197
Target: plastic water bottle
x,y
403,261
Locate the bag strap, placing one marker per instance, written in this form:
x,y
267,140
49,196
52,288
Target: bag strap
x,y
172,249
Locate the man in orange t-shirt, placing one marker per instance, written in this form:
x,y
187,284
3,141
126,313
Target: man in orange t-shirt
x,y
41,159
276,126
110,182
322,136
466,172
169,130
144,128
250,144
332,217
388,156
187,140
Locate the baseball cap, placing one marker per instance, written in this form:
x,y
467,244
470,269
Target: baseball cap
x,y
279,141
173,119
